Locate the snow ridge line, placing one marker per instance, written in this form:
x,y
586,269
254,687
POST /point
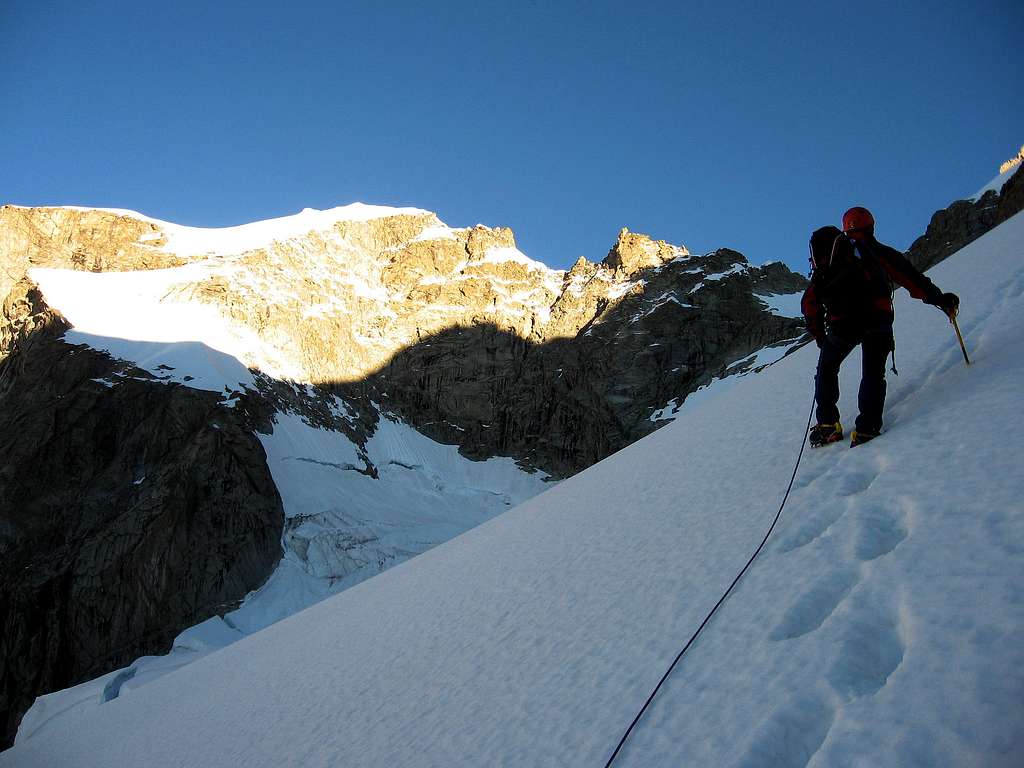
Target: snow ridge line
x,y
693,637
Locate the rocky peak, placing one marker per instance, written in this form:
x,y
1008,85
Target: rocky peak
x,y
776,278
481,239
1013,162
634,251
582,268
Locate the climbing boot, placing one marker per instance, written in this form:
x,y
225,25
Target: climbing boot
x,y
823,434
859,437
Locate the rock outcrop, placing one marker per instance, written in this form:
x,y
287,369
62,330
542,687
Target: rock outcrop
x,y
633,252
1011,195
92,240
965,221
23,312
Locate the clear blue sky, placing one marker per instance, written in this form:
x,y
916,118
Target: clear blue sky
x,y
711,124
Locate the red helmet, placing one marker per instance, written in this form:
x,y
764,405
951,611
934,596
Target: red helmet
x,y
858,218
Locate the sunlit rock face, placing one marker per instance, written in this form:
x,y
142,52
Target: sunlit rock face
x,y
1013,162
76,239
633,252
454,328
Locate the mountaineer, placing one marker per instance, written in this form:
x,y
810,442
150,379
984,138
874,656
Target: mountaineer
x,y
849,302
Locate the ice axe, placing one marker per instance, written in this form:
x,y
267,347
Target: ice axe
x,y
960,338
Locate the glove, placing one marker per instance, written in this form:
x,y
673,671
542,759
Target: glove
x,y
950,304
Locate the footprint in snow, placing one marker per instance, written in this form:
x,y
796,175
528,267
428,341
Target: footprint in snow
x,y
812,608
847,483
880,529
870,650
808,529
809,475
854,481
791,735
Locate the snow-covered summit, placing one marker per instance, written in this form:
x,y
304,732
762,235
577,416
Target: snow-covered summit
x,y
179,238
259,234
881,625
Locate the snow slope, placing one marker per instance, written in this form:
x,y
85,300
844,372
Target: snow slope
x,y
342,527
97,304
883,624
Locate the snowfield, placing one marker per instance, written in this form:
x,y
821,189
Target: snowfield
x,y
96,304
882,625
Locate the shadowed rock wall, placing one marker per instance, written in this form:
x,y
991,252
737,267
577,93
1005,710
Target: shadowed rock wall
x,y
965,221
565,404
127,514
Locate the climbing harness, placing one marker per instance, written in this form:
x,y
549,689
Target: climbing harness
x,y
693,638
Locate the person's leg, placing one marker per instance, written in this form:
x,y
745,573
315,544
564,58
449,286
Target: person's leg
x,y
826,381
874,350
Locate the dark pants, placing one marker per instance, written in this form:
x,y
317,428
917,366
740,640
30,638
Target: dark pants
x,y
875,347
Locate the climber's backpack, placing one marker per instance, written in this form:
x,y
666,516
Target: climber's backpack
x,y
846,284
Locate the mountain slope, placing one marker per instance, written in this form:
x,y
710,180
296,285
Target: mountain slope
x,y
349,343
882,624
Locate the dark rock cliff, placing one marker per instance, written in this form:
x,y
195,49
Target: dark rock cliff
x,y
965,221
1011,196
127,513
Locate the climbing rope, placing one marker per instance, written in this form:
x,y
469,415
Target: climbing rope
x,y
721,600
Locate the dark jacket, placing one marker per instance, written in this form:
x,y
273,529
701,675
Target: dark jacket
x,y
853,282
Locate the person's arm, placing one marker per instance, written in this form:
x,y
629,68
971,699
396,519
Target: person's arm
x,y
906,274
919,285
812,311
